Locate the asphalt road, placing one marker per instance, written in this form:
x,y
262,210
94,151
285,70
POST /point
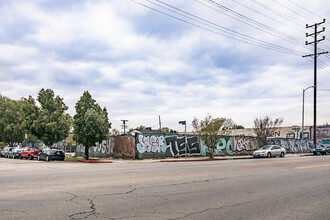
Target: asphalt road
x,y
275,188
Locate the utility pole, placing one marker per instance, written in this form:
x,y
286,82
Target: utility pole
x,y
160,125
315,54
124,125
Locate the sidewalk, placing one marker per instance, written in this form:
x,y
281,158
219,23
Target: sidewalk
x,y
227,157
182,159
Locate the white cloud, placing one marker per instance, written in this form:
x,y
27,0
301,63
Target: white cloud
x,y
141,64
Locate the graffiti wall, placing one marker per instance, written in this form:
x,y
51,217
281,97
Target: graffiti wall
x,y
234,146
159,145
297,146
104,149
124,147
321,132
176,146
150,145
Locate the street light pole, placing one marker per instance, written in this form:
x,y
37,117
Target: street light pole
x,y
185,135
303,114
124,125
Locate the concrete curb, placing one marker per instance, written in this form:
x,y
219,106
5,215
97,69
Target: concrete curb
x,y
94,161
214,159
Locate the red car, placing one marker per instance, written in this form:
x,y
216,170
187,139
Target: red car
x,y
29,153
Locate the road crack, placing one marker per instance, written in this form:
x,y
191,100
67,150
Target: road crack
x,y
215,208
115,194
86,214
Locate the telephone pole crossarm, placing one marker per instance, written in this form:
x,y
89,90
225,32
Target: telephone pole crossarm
x,y
310,55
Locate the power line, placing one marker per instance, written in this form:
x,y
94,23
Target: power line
x,y
308,20
273,19
306,9
227,29
269,17
246,20
275,12
242,38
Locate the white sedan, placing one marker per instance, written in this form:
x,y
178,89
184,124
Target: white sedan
x,y
270,151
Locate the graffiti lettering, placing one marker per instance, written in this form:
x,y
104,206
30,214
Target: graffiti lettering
x,y
244,144
177,145
100,149
150,143
225,146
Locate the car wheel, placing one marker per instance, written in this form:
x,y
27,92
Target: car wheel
x,y
269,155
20,157
315,153
282,154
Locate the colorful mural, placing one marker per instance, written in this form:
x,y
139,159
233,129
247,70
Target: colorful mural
x,y
161,146
155,145
236,145
297,146
150,143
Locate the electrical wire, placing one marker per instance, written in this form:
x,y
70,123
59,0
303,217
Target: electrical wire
x,y
175,8
306,10
238,36
275,12
285,24
269,17
282,5
246,20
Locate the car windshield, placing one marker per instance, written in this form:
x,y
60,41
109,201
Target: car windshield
x,y
265,147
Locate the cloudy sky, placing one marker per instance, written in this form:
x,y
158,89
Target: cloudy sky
x,y
179,59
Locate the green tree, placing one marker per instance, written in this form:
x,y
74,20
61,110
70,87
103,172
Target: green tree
x,y
52,124
167,130
114,132
91,123
238,127
208,130
263,126
11,130
30,113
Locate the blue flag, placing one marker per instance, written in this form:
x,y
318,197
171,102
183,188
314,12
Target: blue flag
x,y
182,122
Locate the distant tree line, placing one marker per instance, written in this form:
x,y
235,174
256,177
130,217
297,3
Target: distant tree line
x,y
49,122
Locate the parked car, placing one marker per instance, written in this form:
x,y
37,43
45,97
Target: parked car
x,y
328,149
51,154
15,152
270,151
29,153
5,151
320,149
